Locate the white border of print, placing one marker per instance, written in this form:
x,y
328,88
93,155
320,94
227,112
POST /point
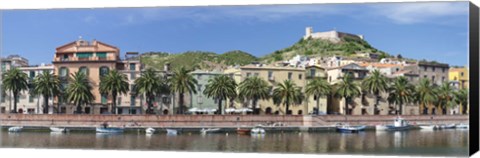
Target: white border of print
x,y
62,153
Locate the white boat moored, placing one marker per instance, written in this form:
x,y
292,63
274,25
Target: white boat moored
x,y
257,130
209,130
109,130
58,129
15,129
172,132
462,126
150,130
427,127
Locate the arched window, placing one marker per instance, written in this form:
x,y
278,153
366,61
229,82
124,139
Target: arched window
x,y
104,71
63,72
83,70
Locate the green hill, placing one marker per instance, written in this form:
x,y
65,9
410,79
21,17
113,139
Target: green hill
x,y
313,47
197,59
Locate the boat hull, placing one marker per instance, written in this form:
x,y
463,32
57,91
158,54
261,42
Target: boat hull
x,y
56,129
172,132
210,130
15,129
149,130
257,131
399,128
243,131
109,130
350,129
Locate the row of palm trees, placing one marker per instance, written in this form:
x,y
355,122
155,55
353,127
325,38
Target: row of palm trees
x,y
223,88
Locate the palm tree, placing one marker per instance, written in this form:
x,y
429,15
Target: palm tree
x,y
221,87
183,82
47,85
347,89
15,81
424,93
375,84
149,84
401,92
461,98
114,83
318,87
288,94
79,91
445,97
253,88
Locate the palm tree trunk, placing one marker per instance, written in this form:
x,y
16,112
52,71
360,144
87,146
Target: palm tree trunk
x,y
161,104
15,94
45,101
254,102
114,104
375,107
79,108
287,106
318,105
180,103
219,112
346,106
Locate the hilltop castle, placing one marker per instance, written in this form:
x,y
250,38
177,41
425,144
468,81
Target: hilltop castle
x,y
333,36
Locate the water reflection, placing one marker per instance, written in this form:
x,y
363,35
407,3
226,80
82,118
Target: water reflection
x,y
442,143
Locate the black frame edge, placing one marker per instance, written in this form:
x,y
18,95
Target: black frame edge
x,y
474,78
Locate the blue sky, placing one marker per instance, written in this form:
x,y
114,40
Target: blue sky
x,y
433,31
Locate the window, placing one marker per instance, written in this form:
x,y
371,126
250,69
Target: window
x,y
132,100
255,74
83,70
424,76
199,76
299,76
63,72
443,78
433,78
270,74
32,74
119,101
104,99
4,67
425,68
443,69
315,97
248,74
132,76
30,98
433,69
104,71
84,55
101,55
312,72
329,78
289,75
132,66
461,74
199,87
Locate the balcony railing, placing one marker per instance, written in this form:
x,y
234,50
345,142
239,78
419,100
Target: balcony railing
x,y
84,59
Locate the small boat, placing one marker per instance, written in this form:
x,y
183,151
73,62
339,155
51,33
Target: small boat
x,y
243,131
381,127
109,130
462,126
149,130
58,129
15,129
172,132
449,126
398,125
350,129
209,130
257,130
427,127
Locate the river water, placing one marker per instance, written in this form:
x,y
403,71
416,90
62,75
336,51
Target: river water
x,y
452,142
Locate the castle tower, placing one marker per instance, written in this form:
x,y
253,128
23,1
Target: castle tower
x,y
308,31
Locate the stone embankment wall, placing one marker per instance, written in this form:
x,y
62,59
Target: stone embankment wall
x,y
214,120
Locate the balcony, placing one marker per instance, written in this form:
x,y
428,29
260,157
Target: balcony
x,y
76,59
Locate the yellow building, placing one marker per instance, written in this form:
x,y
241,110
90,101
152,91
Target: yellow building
x,y
459,75
275,75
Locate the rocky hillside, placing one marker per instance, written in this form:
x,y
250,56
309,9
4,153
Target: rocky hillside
x,y
313,47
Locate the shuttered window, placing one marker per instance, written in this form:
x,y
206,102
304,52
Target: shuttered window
x,y
84,55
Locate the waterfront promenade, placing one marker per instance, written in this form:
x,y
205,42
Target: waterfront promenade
x,y
226,121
